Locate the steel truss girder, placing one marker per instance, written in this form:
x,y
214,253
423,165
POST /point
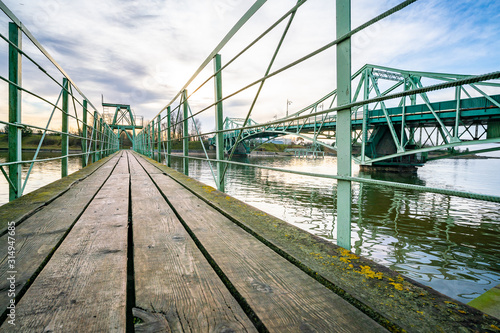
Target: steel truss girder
x,y
452,129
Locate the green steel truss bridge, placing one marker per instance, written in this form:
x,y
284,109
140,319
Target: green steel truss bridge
x,y
383,135
122,120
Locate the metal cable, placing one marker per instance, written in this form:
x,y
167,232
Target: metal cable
x,y
312,54
468,195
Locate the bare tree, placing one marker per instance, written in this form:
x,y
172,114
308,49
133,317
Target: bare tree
x,y
195,128
178,125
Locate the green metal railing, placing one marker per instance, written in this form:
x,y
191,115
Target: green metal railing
x,y
94,136
171,124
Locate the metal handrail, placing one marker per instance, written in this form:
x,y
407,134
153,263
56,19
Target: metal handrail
x,y
96,137
155,140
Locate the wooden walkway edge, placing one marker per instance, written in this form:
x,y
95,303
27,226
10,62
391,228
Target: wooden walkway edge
x,y
395,301
135,246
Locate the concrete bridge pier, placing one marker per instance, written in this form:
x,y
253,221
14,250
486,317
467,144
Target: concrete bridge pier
x,y
381,143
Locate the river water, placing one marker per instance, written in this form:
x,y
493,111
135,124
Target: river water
x,y
450,244
42,173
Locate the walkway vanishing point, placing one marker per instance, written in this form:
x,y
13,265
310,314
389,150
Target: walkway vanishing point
x,y
127,244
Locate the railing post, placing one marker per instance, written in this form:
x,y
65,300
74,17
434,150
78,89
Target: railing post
x,y
110,141
106,151
169,137
364,135
64,135
146,141
458,91
153,136
137,146
142,142
101,138
219,123
84,134
185,134
159,139
149,140
343,135
15,132
94,138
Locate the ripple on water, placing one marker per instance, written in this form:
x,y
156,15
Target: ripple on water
x,y
451,244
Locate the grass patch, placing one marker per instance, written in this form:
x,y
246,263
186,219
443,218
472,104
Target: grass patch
x,y
49,142
193,145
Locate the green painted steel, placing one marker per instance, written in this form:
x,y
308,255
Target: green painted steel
x,y
101,139
364,124
158,156
384,183
123,120
16,126
219,123
249,13
153,136
402,121
185,133
343,137
15,102
32,163
169,137
362,116
64,136
84,134
94,138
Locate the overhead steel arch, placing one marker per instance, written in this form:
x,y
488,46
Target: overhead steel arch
x,y
402,130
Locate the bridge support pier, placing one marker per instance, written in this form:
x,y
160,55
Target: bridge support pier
x,y
406,169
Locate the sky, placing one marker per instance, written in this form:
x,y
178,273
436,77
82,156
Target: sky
x,y
143,52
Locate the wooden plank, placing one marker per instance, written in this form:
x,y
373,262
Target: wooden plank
x,y
151,169
374,287
83,286
37,236
26,205
122,166
176,288
283,297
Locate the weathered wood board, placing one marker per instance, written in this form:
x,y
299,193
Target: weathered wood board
x,y
83,286
397,302
176,288
26,205
37,236
282,296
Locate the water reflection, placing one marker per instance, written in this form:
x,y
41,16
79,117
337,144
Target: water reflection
x,y
449,243
43,173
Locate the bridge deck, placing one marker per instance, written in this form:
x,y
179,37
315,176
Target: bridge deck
x,y
193,269
127,244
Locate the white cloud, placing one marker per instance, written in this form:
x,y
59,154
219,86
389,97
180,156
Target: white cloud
x,y
142,52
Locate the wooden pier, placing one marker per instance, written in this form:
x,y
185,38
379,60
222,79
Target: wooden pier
x,y
129,245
